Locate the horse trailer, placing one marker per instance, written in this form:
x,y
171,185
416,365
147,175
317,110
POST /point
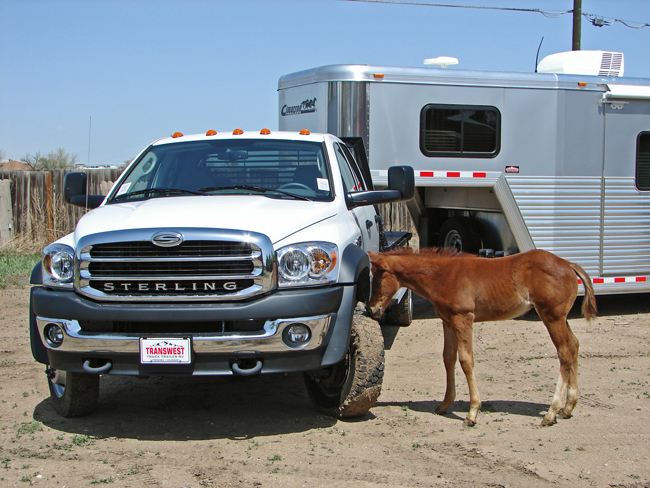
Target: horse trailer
x,y
504,162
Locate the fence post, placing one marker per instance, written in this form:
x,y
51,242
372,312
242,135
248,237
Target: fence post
x,y
6,214
49,207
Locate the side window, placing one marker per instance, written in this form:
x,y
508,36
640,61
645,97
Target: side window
x,y
461,131
355,168
643,161
350,180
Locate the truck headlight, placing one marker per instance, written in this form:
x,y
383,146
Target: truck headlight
x,y
308,263
58,265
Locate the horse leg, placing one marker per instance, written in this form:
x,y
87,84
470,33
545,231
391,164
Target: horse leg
x,y
449,355
463,328
572,389
567,346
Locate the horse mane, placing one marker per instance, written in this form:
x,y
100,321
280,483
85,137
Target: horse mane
x,y
433,252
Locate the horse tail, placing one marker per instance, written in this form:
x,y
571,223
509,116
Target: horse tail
x,y
589,309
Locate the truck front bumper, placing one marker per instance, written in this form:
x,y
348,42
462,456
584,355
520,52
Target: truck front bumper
x,y
326,312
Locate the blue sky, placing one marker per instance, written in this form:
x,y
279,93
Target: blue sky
x,y
143,69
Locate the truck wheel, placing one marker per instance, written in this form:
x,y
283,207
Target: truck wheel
x,y
73,394
353,385
460,233
400,313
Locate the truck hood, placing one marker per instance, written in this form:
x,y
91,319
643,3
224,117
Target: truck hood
x,y
274,217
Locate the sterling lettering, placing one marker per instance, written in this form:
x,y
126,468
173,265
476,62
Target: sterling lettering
x,y
164,287
306,107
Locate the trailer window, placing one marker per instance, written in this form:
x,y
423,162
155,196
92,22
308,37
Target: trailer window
x,y
643,161
462,131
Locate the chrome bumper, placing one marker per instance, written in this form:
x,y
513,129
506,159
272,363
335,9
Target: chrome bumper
x,y
270,339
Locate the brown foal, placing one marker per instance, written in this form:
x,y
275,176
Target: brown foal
x,y
465,288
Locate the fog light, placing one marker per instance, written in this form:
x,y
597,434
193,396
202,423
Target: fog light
x,y
297,336
54,335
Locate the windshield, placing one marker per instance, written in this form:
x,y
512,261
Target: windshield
x,y
273,168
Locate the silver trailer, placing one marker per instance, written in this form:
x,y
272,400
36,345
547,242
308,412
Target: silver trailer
x,y
504,162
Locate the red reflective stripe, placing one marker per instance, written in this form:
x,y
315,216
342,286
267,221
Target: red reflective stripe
x,y
453,174
426,173
579,281
641,278
599,280
619,280
480,175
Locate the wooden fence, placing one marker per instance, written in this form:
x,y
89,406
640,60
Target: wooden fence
x,y
32,206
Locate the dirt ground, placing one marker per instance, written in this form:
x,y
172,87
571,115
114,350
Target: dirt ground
x,y
262,432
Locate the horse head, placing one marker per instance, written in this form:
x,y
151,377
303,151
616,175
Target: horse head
x,y
384,285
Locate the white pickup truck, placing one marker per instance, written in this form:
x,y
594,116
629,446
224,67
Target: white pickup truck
x,y
219,254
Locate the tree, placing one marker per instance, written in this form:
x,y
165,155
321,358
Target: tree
x,y
58,159
34,161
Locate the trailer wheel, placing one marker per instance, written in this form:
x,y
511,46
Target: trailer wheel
x,y
352,387
460,233
73,394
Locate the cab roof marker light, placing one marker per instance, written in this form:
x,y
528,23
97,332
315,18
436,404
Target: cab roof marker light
x,y
177,134
211,133
237,132
265,132
304,132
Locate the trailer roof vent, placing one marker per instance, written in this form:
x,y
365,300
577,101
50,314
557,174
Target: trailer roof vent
x,y
442,61
594,63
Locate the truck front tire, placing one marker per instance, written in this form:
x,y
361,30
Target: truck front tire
x,y
73,394
353,385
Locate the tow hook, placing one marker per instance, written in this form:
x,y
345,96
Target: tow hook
x,y
50,373
105,368
245,371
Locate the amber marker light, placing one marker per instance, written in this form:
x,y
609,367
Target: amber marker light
x,y
211,133
304,132
265,132
237,132
177,134
378,75
582,83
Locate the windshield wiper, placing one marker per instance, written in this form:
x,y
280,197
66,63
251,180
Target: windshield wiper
x,y
158,191
257,189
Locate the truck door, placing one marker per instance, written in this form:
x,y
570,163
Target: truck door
x,y
364,216
626,187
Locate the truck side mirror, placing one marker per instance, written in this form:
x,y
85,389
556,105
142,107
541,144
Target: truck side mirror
x,y
74,191
402,179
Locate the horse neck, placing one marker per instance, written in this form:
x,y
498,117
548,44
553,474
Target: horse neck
x,y
418,274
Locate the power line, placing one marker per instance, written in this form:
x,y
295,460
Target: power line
x,y
596,20
546,13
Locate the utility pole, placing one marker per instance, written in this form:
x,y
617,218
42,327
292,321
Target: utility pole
x,y
577,19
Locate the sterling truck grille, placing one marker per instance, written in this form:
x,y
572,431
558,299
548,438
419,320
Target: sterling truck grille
x,y
129,266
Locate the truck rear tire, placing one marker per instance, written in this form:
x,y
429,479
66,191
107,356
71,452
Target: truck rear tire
x,y
354,385
400,313
73,394
460,233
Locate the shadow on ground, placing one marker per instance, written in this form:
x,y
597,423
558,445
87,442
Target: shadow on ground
x,y
190,408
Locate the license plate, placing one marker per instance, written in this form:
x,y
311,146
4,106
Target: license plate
x,y
166,350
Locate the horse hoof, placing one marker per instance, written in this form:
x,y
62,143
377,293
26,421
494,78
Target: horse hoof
x,y
563,415
469,423
547,422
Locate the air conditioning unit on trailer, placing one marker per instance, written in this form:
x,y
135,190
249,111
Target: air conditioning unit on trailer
x,y
595,63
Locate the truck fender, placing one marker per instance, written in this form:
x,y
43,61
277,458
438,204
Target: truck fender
x,y
355,269
36,277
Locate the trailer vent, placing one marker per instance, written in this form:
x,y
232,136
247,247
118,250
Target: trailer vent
x,y
594,63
